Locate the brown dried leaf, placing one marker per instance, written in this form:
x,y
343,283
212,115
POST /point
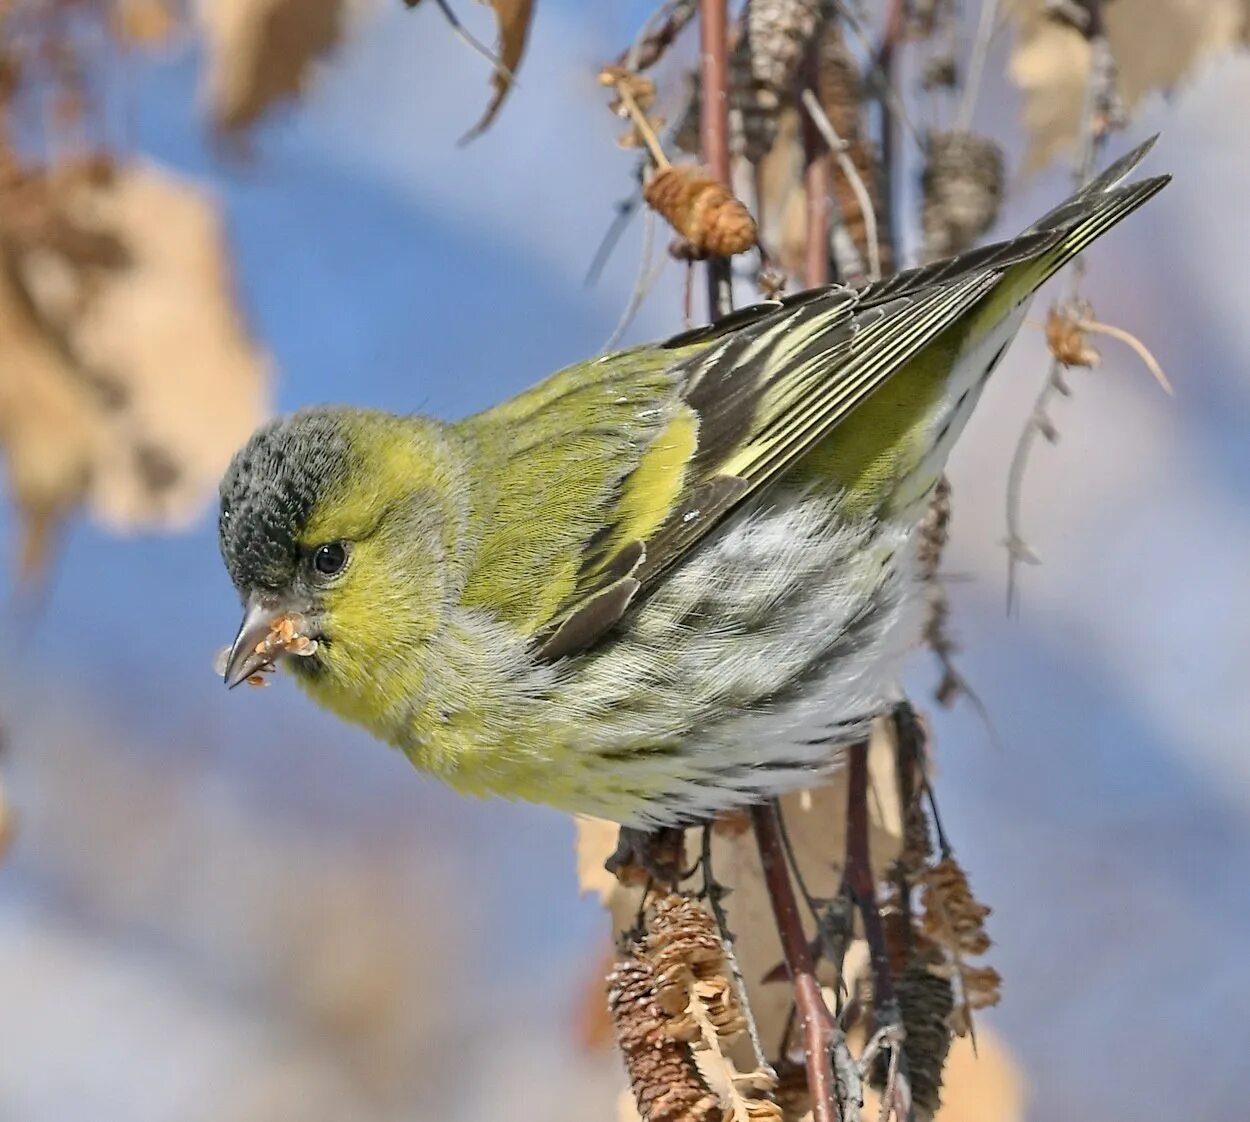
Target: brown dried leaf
x,y
1157,44
262,52
955,921
128,388
514,18
953,917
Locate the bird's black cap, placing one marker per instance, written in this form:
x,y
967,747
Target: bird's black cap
x,y
269,491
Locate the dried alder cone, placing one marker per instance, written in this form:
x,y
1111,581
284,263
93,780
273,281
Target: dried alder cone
x,y
674,994
963,191
926,1003
702,210
666,1082
772,43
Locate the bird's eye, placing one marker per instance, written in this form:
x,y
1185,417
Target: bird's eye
x,y
329,559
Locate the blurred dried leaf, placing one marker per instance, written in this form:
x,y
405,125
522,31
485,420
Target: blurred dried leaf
x,y
7,824
1157,44
146,23
46,431
128,388
513,17
596,842
262,52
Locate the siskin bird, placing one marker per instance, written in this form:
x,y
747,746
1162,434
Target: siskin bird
x,y
661,583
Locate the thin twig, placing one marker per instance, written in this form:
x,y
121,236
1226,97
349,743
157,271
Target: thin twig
x,y
1130,340
816,1022
640,122
892,111
818,189
625,209
658,33
715,893
879,63
1095,118
859,882
643,283
847,166
832,917
469,39
976,67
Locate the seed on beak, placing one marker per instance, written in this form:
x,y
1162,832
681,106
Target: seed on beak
x,y
285,636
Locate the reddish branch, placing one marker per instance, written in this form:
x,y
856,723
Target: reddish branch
x,y
857,876
714,128
815,1020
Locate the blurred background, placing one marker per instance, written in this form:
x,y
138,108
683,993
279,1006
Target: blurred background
x,y
234,907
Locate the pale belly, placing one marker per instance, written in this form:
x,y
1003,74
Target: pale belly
x,y
750,671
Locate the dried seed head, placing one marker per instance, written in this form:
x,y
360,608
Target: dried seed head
x,y
702,210
1066,337
963,191
926,1003
953,917
778,33
666,1082
941,72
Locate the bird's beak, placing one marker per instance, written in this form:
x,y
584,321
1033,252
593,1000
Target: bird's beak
x,y
260,614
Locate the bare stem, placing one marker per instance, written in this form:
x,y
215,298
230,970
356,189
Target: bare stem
x,y
818,190
815,1020
641,123
1100,94
469,39
1130,340
657,34
976,67
847,166
859,882
715,893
